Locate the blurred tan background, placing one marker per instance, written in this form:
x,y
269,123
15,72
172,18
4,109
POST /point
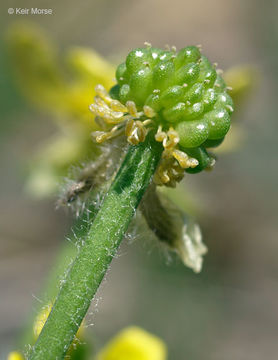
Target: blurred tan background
x,y
229,311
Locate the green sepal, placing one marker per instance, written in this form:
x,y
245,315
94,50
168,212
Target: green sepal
x,y
201,155
114,92
213,143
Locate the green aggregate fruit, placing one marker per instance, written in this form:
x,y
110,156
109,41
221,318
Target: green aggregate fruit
x,y
184,90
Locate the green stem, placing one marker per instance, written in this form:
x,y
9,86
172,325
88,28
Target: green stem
x,y
99,247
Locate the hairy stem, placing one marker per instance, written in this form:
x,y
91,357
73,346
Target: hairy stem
x,y
98,248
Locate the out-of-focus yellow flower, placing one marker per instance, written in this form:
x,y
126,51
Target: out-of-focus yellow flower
x,y
15,355
242,79
64,87
134,343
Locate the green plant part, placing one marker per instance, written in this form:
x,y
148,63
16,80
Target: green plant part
x,y
99,245
170,106
180,95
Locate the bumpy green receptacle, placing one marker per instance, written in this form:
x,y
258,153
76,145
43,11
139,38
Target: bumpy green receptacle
x,y
185,91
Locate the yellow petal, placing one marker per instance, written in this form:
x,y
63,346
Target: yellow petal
x,y
41,319
15,355
134,343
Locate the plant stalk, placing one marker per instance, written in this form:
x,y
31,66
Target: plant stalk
x,y
98,248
